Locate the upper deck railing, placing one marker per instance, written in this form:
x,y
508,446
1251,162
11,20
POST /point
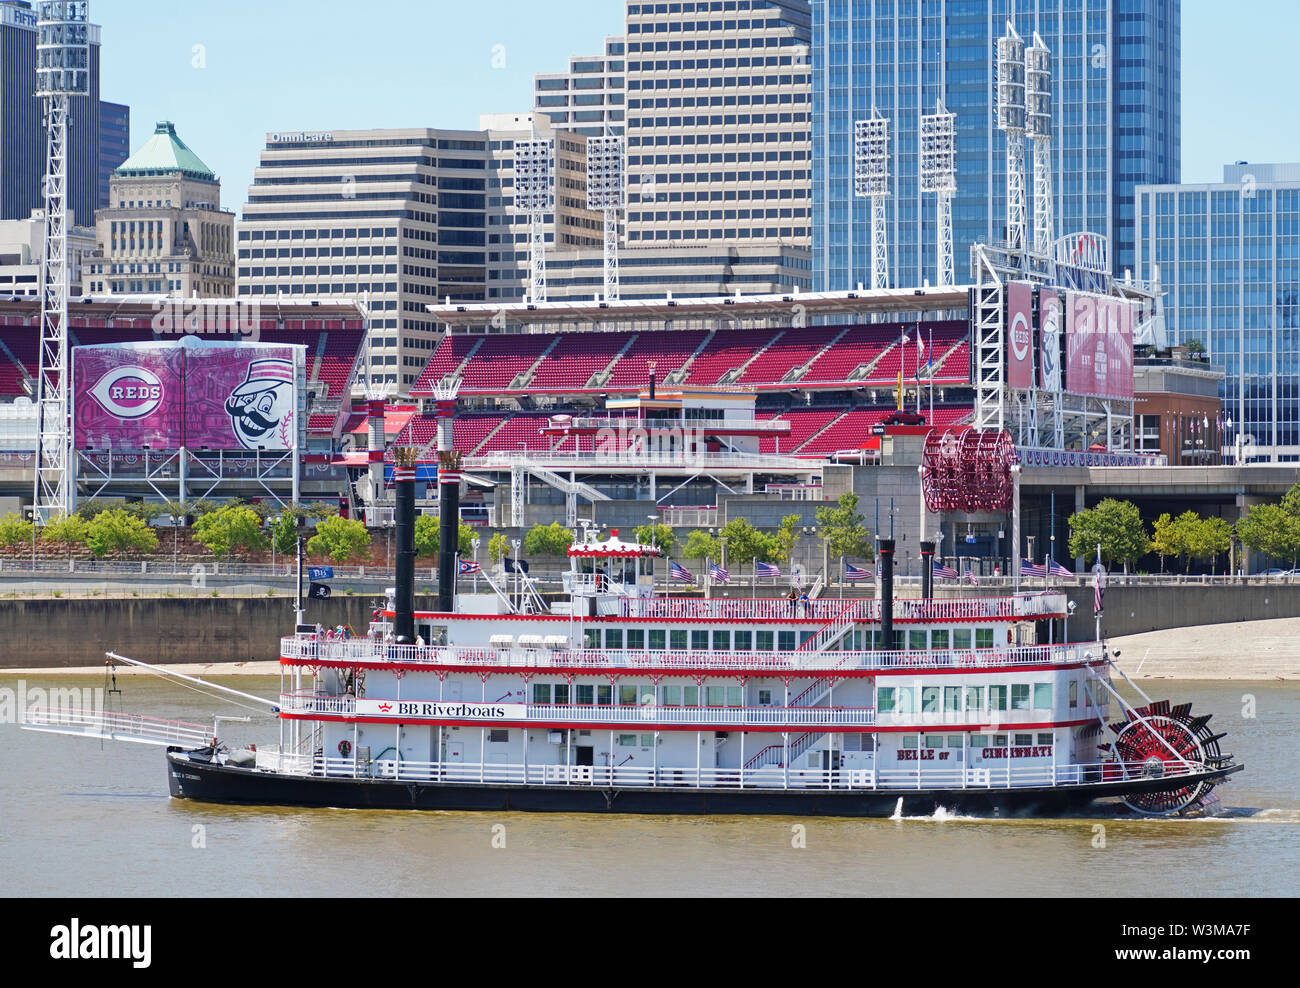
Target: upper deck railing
x,y
364,651
1049,603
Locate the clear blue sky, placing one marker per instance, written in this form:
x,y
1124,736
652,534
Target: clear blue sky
x,y
324,64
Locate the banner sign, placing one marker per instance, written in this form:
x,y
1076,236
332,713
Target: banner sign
x,y
1099,346
1020,335
129,395
441,709
316,573
1049,334
319,591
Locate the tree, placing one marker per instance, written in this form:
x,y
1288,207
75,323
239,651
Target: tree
x,y
659,535
428,537
1165,538
340,539
146,511
745,542
234,528
844,530
1114,525
120,531
786,538
548,540
498,546
700,544
1211,536
68,532
1270,529
284,534
1195,348
14,531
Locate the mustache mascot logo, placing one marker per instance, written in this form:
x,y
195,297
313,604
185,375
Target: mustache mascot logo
x,y
261,407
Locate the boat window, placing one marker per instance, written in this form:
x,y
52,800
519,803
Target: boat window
x,y
806,636
764,698
939,638
909,741
647,740
952,699
627,696
954,740
1074,693
1019,696
584,694
997,698
885,699
627,740
961,638
498,735
1042,696
676,638
983,637
604,695
691,696
999,739
929,699
561,692
613,637
636,638
1046,739
735,697
763,640
541,692
721,640
1024,739
916,641
934,740
670,696
785,641
906,703
974,697
699,640
744,641
647,696
657,637
591,637
979,740
716,696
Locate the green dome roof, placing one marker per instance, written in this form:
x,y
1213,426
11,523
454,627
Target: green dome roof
x,y
163,154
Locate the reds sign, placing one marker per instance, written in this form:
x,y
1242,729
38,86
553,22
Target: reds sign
x,y
1020,335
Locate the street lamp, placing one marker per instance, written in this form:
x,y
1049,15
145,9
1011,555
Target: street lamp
x,y
474,544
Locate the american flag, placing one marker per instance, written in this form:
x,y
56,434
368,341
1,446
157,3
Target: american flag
x,y
852,572
679,572
468,568
718,574
944,572
972,578
1098,591
1058,570
1032,569
766,569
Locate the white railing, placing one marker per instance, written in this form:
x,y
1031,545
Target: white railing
x,y
769,777
364,651
116,726
864,609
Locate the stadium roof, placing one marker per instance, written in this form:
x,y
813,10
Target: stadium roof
x,y
593,313
165,154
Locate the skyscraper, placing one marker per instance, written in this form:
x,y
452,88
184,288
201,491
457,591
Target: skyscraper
x,y
114,143
1115,125
22,133
589,98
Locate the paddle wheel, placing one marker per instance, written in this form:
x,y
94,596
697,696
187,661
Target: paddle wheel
x,y
968,470
1164,740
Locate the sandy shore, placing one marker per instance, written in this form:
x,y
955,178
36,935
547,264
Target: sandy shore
x,y
1268,650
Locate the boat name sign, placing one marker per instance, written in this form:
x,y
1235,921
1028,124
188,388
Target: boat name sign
x,y
441,710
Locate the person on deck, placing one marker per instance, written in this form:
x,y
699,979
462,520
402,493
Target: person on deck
x,y
793,598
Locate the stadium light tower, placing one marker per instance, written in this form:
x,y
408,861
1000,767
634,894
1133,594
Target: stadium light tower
x,y
62,71
535,195
1038,103
1011,121
607,193
939,175
871,181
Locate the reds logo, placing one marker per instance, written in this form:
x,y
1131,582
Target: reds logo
x,y
1020,336
261,407
128,392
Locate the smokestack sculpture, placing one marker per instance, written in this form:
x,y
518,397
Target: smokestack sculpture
x,y
404,495
927,570
375,414
448,499
885,549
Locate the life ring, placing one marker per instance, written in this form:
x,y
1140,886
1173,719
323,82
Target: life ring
x,y
345,747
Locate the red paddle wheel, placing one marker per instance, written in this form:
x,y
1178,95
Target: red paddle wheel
x,y
967,470
1160,745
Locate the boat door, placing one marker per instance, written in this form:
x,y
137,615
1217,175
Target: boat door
x,y
831,762
455,751
584,755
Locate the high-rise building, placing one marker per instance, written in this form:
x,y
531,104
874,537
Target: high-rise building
x,y
394,217
22,130
114,143
22,243
1115,123
1228,257
718,122
163,231
589,98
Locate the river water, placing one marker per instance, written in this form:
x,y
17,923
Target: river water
x,y
85,818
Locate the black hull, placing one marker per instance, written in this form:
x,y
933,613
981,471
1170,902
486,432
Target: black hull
x,y
211,783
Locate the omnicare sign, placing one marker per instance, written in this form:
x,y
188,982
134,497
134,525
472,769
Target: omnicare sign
x,y
441,709
302,137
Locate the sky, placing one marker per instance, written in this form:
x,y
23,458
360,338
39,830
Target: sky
x,y
227,73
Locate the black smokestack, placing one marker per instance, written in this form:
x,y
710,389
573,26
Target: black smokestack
x,y
652,382
885,548
404,577
927,570
448,536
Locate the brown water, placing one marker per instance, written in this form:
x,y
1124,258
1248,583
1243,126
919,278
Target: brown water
x,y
81,818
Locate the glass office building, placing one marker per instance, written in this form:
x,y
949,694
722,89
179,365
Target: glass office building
x,y
1115,121
1228,256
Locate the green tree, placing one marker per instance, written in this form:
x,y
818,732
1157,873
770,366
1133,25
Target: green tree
x,y
146,511
699,544
1114,525
745,542
1166,539
1270,529
659,535
119,531
428,537
91,506
320,510
1210,538
284,534
498,547
234,528
786,538
340,539
68,532
548,540
14,531
844,530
